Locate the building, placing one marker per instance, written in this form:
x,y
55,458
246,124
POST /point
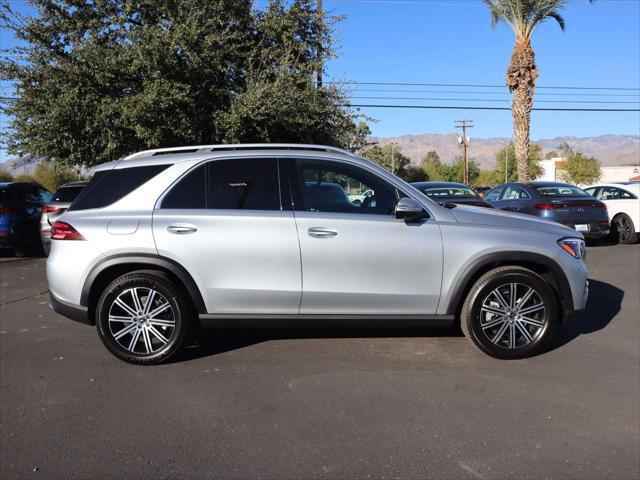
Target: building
x,y
551,171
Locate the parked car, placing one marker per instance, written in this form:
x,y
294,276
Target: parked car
x,y
167,240
58,204
20,211
359,198
482,191
623,206
451,192
560,202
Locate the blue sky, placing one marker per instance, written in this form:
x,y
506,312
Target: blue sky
x,y
452,42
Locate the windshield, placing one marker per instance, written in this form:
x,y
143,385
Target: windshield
x,y
561,191
441,192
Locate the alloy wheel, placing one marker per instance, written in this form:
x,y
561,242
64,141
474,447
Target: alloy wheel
x,y
141,320
512,315
623,227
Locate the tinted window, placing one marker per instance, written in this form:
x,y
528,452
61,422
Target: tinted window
x,y
66,194
32,195
334,187
514,193
560,191
613,193
243,184
109,186
494,194
458,192
189,192
4,195
591,191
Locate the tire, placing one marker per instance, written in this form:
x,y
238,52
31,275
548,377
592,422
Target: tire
x,y
30,244
492,331
625,229
149,338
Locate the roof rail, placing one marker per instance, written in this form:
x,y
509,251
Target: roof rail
x,y
235,147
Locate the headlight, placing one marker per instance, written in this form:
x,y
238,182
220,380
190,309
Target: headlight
x,y
574,247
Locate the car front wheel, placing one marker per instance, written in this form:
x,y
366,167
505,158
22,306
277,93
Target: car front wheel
x,y
510,313
144,317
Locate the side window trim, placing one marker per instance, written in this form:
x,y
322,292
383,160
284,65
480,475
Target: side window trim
x,y
206,165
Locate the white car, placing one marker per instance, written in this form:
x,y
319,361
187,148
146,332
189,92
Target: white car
x,y
623,204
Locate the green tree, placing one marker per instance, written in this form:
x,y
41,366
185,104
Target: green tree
x,y
5,176
487,178
432,166
413,173
388,157
523,16
99,80
455,172
580,169
506,159
551,154
51,175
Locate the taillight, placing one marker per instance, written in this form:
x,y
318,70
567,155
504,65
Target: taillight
x,y
600,205
6,210
50,209
549,206
64,231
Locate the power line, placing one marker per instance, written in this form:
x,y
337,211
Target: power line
x,y
475,85
488,100
461,107
477,92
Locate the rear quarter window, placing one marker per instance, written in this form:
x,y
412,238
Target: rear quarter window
x,y
66,194
109,186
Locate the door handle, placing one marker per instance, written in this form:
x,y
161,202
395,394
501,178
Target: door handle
x,y
181,229
321,232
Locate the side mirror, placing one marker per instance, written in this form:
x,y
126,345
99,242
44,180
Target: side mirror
x,y
409,209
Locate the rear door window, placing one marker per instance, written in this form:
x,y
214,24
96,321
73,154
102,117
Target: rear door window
x,y
243,184
234,184
190,191
514,193
109,186
494,194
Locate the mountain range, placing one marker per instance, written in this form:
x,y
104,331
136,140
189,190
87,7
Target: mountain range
x,y
611,150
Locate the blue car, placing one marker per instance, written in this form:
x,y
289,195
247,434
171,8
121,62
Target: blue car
x,y
20,211
560,202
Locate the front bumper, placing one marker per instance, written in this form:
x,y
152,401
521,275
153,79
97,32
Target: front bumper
x,y
77,313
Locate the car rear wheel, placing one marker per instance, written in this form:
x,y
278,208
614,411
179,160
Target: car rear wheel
x,y
625,229
144,317
510,313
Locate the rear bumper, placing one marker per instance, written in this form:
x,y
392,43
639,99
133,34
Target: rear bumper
x,y
77,313
595,229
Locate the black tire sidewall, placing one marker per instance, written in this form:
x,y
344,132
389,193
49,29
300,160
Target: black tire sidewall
x,y
548,297
632,238
173,295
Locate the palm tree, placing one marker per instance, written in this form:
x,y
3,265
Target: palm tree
x,y
523,16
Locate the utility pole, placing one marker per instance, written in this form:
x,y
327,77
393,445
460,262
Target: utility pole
x,y
320,27
464,142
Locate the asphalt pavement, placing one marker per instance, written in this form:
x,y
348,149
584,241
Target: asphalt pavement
x,y
334,404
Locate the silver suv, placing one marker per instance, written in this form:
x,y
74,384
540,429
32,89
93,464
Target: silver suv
x,y
167,240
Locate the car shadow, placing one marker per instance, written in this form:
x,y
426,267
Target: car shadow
x,y
220,340
603,305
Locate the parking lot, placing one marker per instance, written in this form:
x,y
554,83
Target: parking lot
x,y
274,404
